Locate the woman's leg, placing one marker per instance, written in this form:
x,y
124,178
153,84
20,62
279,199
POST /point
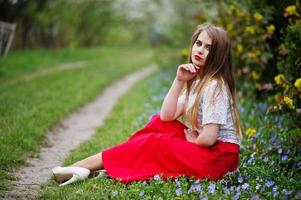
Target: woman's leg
x,y
92,163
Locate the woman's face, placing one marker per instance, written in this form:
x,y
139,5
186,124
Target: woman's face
x,y
200,49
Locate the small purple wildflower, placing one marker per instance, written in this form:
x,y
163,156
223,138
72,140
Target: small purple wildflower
x,y
280,151
256,197
262,189
226,191
270,183
114,193
157,177
240,179
211,188
275,190
284,158
179,191
288,151
245,186
236,196
196,187
178,183
141,193
287,193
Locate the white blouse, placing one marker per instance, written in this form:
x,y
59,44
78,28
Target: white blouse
x,y
215,109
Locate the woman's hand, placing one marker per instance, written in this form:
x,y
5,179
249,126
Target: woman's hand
x,y
186,72
190,135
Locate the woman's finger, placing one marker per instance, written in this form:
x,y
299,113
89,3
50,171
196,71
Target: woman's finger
x,y
192,68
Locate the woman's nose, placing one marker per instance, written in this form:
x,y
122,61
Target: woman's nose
x,y
201,49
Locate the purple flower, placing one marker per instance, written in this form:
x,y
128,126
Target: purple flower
x,y
255,197
226,191
114,193
211,188
196,187
178,191
287,193
280,151
288,151
270,183
275,188
157,177
262,189
240,179
284,157
141,193
236,196
245,186
178,183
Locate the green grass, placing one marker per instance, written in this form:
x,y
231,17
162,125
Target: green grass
x,y
258,178
28,108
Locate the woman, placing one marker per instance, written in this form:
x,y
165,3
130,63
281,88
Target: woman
x,y
208,149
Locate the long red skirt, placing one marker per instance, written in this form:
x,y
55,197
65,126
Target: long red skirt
x,y
161,148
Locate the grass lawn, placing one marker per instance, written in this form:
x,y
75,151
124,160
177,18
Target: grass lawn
x,y
270,159
28,108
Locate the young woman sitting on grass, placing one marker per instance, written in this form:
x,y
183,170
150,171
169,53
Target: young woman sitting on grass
x,y
207,148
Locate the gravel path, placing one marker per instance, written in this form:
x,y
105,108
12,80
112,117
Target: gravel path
x,y
67,136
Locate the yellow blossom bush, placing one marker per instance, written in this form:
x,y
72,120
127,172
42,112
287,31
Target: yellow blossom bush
x,y
250,132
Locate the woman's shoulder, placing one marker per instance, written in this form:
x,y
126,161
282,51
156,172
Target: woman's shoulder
x,y
215,86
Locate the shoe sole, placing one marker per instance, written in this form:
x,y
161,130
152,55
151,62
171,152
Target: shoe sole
x,y
61,177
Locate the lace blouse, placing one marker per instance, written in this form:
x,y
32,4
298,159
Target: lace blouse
x,y
214,109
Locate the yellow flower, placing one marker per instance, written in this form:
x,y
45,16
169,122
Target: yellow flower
x,y
289,102
250,132
291,10
279,79
258,86
297,84
229,27
258,17
254,54
239,49
270,29
240,13
255,75
250,29
232,8
184,52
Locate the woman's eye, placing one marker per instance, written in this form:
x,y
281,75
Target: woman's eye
x,y
199,43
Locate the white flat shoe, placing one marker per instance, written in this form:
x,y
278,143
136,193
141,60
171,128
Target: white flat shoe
x,y
71,174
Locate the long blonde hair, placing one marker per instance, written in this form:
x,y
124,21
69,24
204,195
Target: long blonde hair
x,y
218,66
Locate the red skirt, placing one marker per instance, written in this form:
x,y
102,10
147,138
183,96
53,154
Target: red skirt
x,y
161,148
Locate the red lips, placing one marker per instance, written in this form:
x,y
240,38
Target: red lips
x,y
197,57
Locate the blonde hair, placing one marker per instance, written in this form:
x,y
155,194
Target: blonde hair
x,y
218,66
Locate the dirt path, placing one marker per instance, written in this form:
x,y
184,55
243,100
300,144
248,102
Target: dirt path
x,y
67,136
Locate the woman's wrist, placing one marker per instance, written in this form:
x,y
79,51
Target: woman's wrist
x,y
179,81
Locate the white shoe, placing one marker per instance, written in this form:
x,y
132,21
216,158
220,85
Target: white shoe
x,y
72,174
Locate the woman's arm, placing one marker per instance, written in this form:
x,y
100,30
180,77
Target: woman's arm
x,y
206,138
171,109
